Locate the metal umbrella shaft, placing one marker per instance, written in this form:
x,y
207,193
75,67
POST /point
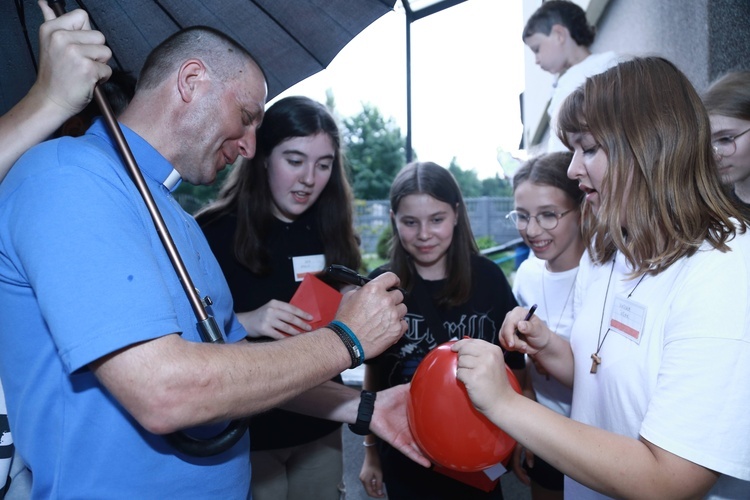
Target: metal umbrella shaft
x,y
209,330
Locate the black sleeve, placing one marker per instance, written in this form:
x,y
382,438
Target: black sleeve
x,y
494,279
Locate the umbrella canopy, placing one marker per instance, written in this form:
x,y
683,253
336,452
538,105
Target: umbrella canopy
x,y
291,39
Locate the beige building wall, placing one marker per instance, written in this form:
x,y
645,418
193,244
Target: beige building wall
x,y
704,38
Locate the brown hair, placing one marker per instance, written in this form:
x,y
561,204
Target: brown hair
x,y
564,13
436,181
651,124
246,191
550,169
729,96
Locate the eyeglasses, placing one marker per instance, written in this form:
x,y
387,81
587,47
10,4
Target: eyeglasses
x,y
546,220
727,145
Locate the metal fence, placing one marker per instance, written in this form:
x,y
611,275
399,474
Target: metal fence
x,y
371,218
487,216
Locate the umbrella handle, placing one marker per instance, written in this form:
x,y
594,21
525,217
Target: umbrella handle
x,y
209,330
58,6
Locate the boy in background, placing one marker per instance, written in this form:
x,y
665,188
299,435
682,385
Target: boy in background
x,y
560,36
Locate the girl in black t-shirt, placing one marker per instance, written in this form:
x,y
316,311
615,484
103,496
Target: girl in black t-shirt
x,y
286,212
453,292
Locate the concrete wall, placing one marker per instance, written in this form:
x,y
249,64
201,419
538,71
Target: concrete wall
x,y
729,36
704,38
674,29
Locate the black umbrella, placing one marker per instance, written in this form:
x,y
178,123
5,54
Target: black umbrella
x,y
291,39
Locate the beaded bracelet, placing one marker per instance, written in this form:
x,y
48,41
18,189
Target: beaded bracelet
x,y
350,341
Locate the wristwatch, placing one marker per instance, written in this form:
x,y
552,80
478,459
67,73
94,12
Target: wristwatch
x,y
364,413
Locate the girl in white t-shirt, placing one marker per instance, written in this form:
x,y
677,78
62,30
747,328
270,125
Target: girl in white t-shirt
x,y
547,215
659,352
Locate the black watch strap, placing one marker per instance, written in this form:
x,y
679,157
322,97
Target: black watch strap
x,y
364,414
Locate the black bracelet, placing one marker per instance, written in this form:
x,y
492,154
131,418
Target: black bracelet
x,y
358,347
364,413
355,352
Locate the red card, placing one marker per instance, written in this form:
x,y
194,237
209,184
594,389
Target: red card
x,y
317,298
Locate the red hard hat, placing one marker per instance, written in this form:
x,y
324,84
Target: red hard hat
x,y
444,422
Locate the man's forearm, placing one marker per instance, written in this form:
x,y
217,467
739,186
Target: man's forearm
x,y
330,401
203,383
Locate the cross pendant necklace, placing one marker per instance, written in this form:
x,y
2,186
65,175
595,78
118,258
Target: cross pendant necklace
x,y
596,360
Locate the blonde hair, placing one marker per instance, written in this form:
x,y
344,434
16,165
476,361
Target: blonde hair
x,y
662,175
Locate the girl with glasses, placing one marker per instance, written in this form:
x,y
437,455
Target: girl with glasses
x,y
660,346
547,215
728,103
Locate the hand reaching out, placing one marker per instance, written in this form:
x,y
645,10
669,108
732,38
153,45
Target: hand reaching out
x,y
390,422
275,319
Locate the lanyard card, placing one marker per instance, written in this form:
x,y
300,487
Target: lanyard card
x,y
305,264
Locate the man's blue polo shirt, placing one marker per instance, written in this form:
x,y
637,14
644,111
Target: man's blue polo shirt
x,y
84,274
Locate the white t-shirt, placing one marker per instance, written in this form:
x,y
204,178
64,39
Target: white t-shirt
x,y
681,381
569,81
553,295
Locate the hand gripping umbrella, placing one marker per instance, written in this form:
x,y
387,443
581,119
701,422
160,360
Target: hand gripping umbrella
x,y
209,330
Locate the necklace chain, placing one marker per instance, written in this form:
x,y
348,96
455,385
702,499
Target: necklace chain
x,y
596,360
565,305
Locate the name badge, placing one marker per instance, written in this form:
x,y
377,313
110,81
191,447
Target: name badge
x,y
628,318
307,264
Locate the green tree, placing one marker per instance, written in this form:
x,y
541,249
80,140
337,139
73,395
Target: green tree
x,y
500,184
375,152
467,180
496,187
192,198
